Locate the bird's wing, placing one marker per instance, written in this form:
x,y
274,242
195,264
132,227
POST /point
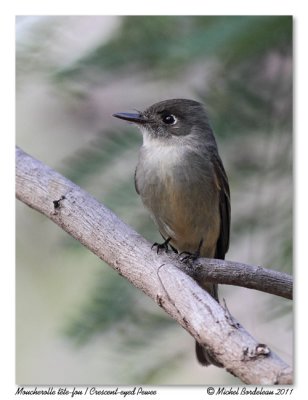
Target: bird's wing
x,y
224,207
136,185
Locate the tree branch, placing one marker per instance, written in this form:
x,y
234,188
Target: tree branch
x,y
239,274
159,276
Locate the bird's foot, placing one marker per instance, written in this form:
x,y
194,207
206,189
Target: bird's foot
x,y
191,257
163,246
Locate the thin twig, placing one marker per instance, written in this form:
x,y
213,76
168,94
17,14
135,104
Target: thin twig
x,y
235,273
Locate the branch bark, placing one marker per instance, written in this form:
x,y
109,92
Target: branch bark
x,y
159,276
239,274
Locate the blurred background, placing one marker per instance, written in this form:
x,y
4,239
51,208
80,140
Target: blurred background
x,y
78,321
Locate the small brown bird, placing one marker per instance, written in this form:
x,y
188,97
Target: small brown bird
x,y
182,182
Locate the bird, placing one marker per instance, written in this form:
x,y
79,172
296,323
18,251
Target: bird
x,y
182,182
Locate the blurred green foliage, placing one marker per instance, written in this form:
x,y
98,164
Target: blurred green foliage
x,y
99,153
169,43
114,306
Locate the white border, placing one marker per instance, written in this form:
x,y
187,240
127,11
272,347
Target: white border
x,y
172,7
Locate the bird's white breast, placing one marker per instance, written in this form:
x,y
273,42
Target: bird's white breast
x,y
162,154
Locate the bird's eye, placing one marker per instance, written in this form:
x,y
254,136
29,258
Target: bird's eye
x,y
169,119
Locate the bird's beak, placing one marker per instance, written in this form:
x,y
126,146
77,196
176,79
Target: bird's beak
x,y
135,118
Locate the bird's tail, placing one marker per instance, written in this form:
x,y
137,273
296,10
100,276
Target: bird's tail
x,y
204,356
